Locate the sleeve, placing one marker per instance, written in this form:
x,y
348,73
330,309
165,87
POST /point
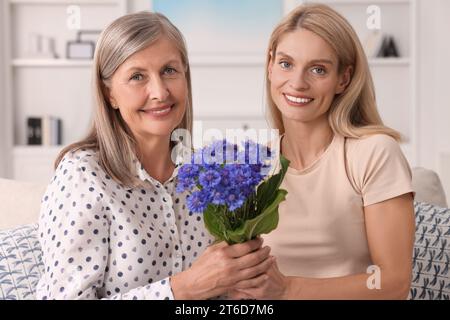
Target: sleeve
x,y
74,236
378,169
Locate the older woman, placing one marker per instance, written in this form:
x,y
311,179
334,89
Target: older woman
x,y
111,225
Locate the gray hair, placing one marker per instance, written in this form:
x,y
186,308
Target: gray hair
x,y
110,135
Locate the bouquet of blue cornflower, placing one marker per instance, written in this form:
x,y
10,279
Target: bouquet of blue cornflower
x,y
232,189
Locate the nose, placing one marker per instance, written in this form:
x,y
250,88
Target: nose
x,y
158,89
299,81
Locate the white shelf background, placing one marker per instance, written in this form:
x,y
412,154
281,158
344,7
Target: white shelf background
x,y
50,63
212,75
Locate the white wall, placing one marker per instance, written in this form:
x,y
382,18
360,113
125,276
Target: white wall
x,y
3,133
442,114
428,30
139,5
434,87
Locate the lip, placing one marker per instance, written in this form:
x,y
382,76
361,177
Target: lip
x,y
297,96
159,112
297,104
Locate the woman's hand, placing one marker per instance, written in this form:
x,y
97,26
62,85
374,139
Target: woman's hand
x,y
271,285
221,267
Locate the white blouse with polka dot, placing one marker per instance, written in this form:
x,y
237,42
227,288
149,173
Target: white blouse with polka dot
x,y
102,240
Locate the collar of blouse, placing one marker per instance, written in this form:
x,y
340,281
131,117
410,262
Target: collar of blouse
x,y
180,153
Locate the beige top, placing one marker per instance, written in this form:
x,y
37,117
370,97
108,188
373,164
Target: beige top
x,y
321,231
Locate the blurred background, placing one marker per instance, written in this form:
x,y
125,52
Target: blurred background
x,y
46,50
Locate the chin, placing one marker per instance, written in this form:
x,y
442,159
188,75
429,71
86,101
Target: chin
x,y
161,128
160,132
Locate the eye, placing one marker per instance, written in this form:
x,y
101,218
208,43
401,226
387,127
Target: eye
x,y
284,64
170,71
137,77
319,70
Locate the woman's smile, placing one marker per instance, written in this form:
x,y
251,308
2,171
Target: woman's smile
x,y
297,101
159,112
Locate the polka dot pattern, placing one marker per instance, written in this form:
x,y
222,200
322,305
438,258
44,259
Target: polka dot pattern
x,y
101,240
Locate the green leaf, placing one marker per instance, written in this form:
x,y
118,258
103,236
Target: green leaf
x,y
211,218
263,223
266,191
268,219
268,196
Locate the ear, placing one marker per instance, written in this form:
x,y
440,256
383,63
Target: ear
x,y
113,103
344,80
110,97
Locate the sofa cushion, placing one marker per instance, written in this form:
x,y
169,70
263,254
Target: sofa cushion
x,y
431,256
20,262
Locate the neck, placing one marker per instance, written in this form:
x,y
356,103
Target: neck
x,y
156,157
304,142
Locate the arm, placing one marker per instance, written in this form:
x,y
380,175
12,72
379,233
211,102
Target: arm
x,y
390,227
74,236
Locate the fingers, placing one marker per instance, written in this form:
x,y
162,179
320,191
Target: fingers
x,y
253,258
254,271
236,295
252,283
240,249
239,294
218,245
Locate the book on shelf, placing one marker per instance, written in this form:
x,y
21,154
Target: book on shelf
x,y
44,131
379,45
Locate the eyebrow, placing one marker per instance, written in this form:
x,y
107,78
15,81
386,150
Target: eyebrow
x,y
136,68
321,60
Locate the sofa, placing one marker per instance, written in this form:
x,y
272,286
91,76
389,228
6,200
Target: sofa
x,y
21,260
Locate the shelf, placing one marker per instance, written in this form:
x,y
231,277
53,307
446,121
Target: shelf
x,y
31,151
51,63
389,62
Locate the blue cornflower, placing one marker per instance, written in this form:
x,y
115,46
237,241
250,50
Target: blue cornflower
x,y
187,176
209,178
234,200
198,201
189,171
221,174
219,196
184,185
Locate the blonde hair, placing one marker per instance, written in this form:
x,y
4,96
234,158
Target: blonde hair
x,y
109,135
354,112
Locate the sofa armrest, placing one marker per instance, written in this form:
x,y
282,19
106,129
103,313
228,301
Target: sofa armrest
x,y
428,187
19,202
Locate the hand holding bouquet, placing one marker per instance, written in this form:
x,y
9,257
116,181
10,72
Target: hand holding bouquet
x,y
232,189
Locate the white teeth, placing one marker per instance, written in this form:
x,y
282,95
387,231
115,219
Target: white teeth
x,y
161,111
298,100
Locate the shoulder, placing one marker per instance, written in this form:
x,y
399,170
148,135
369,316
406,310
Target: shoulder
x,y
372,146
78,157
378,141
378,155
373,153
79,163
